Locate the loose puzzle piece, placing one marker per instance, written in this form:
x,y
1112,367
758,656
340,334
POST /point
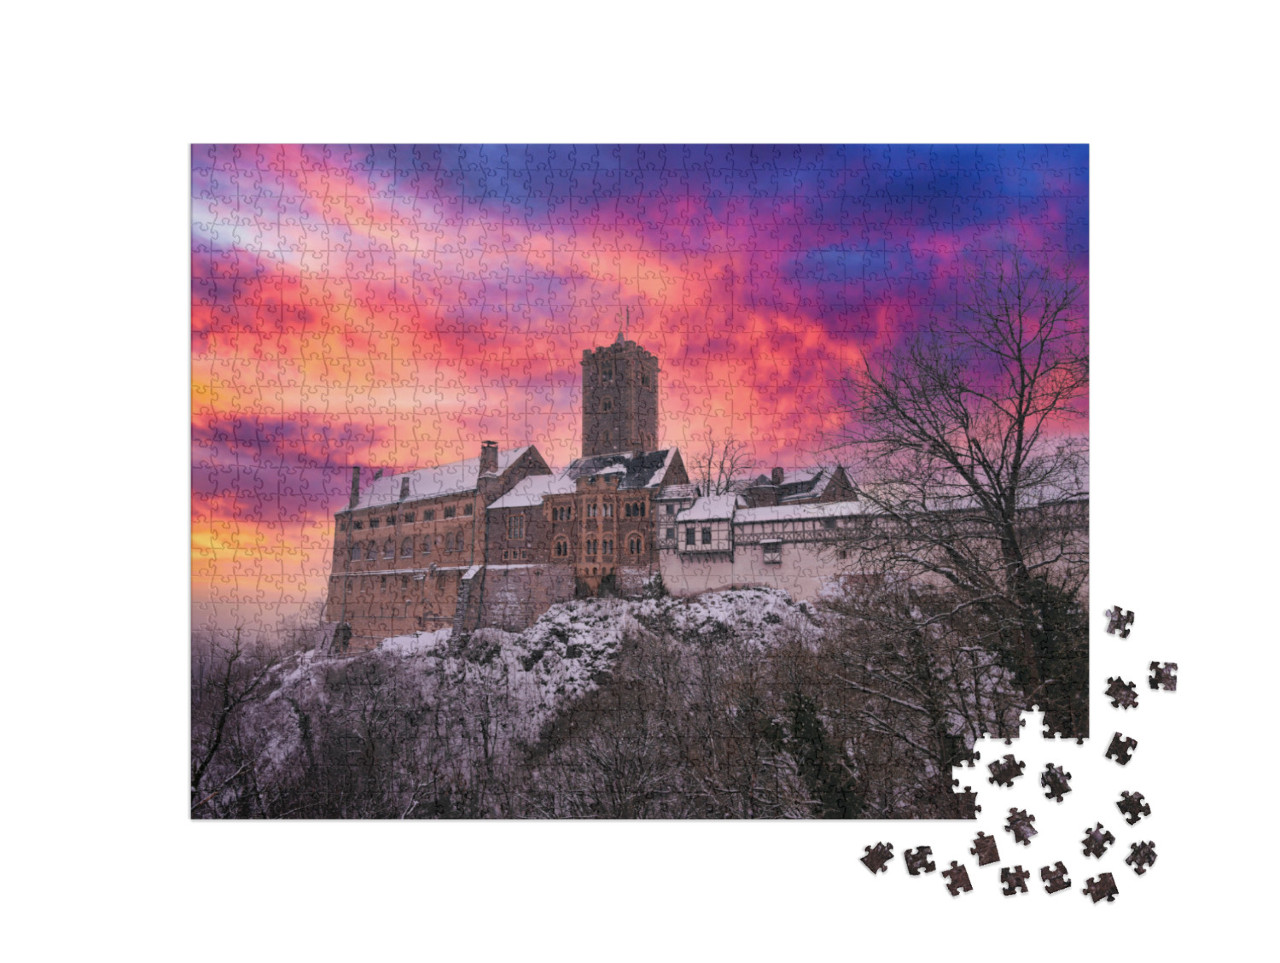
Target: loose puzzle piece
x,y
1121,748
1020,825
1119,620
1122,694
1055,781
967,801
1134,805
958,878
1015,880
1164,676
918,860
984,847
1103,887
1096,841
876,858
1005,771
1142,856
1054,879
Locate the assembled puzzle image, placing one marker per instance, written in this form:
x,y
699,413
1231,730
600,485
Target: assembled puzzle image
x,y
649,481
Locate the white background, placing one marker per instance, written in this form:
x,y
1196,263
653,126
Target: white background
x,y
102,103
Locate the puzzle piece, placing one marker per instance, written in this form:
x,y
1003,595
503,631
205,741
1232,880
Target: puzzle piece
x,y
1056,782
1103,887
1119,620
1015,880
958,879
1005,771
918,860
1122,694
1019,823
877,857
1096,841
984,847
1164,676
1134,805
1055,879
967,801
1142,856
1121,748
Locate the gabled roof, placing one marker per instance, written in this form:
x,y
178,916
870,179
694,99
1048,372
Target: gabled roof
x,y
787,513
677,492
530,491
712,506
452,479
641,469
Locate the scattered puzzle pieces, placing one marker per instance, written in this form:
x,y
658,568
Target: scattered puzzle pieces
x,y
1103,887
1119,621
1055,879
1141,856
1123,695
1019,823
1056,782
1096,841
1134,805
876,858
1121,748
1014,880
1164,676
1005,771
918,860
958,878
984,847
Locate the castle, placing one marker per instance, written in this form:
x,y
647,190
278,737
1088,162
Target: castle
x,y
497,539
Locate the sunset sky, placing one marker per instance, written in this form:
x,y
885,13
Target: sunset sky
x,y
392,306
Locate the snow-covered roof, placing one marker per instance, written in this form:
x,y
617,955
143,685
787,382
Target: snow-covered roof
x,y
677,492
644,469
711,506
452,479
530,491
788,513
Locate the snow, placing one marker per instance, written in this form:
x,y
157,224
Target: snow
x,y
530,491
452,479
711,506
420,644
788,513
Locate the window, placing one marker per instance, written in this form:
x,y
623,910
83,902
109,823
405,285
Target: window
x,y
842,554
355,553
515,526
607,547
382,582
404,581
828,523
688,535
671,533
342,525
375,522
524,553
591,509
607,371
468,508
506,554
359,526
644,380
410,516
607,405
706,534
773,552
391,519
426,545
592,545
406,548
608,509
450,511
562,548
635,544
429,515
671,509
389,549
448,542
371,551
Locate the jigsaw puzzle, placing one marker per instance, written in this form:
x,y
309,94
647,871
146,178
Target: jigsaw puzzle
x,y
1134,806
1102,887
1097,840
528,446
1121,748
1164,676
1055,878
1014,880
1118,621
1019,823
877,857
957,879
985,848
1056,783
918,860
1142,856
1122,694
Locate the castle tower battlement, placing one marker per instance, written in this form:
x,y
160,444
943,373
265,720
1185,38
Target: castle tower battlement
x,y
619,399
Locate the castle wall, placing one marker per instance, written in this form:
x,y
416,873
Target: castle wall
x,y
513,596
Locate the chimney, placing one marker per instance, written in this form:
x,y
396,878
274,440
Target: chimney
x,y
355,487
777,476
489,458
404,488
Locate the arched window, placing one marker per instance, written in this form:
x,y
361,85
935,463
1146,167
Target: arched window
x,y
448,542
355,551
406,548
635,545
389,549
371,551
562,548
426,545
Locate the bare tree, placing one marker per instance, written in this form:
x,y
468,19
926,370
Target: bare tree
x,y
974,457
719,464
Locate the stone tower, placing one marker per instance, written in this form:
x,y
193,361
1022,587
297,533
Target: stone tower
x,y
619,399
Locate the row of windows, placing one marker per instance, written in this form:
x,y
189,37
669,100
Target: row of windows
x,y
428,515
562,513
453,542
689,533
